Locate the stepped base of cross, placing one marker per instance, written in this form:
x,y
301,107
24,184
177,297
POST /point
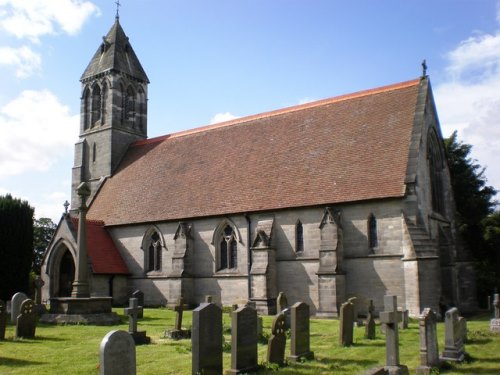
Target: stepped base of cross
x,y
140,338
178,334
70,310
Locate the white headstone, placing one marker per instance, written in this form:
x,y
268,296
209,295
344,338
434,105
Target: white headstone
x,y
15,306
117,354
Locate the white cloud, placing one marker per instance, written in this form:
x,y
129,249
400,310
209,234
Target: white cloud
x,y
469,101
34,18
221,117
35,129
26,61
306,100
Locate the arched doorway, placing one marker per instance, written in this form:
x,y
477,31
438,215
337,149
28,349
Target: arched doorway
x,y
66,274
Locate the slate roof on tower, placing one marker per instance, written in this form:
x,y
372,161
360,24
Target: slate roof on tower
x,y
348,148
115,54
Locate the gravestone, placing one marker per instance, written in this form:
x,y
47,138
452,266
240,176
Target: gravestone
x,y
117,354
370,323
454,336
206,340
495,322
178,332
15,305
281,302
3,319
133,311
277,341
390,318
243,341
139,294
405,319
38,283
300,337
346,324
26,320
429,352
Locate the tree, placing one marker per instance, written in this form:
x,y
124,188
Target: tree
x,y
43,230
16,246
474,203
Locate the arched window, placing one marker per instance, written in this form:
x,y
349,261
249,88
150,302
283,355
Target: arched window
x,y
105,94
372,232
96,105
152,252
141,110
435,172
130,104
86,109
299,237
228,249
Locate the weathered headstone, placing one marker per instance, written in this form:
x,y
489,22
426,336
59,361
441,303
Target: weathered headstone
x,y
117,354
206,340
277,341
38,283
139,294
243,341
178,332
26,320
370,322
346,324
495,322
15,305
429,352
405,319
300,338
454,336
390,318
281,302
133,311
3,319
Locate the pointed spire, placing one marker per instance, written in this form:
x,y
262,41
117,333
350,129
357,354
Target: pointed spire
x,y
115,54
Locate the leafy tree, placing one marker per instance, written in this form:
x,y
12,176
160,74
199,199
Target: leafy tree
x,y
43,230
474,201
16,246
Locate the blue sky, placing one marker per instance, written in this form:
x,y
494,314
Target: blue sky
x,y
213,60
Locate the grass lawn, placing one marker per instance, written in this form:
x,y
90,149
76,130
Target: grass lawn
x,y
75,349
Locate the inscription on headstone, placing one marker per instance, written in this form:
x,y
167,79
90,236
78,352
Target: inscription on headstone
x,y
206,340
454,336
117,354
26,320
346,324
300,337
429,352
243,341
277,341
15,305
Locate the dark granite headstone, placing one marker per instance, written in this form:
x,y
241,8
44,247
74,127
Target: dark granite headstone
x,y
243,341
346,324
26,320
370,323
429,352
300,338
454,336
15,306
390,318
206,340
3,319
117,354
277,341
133,311
140,301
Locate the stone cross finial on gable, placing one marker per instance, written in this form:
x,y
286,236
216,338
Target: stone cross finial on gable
x,y
424,68
118,5
66,205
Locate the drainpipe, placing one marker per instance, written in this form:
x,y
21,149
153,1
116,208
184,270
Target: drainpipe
x,y
249,255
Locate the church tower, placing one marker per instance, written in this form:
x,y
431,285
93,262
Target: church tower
x,y
113,111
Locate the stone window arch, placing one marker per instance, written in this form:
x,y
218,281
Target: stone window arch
x,y
152,245
436,166
372,232
96,105
225,240
299,237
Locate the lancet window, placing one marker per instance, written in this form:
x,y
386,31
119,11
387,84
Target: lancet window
x,y
228,249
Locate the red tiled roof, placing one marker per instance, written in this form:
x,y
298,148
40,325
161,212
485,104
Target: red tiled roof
x,y
104,256
348,148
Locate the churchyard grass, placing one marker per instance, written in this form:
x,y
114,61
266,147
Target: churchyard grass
x,y
75,349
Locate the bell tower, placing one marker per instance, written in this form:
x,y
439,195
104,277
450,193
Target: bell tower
x,y
113,110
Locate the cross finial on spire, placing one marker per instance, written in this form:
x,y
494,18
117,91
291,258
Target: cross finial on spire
x,y
118,5
66,205
424,68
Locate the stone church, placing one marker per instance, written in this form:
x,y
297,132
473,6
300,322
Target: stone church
x,y
343,197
